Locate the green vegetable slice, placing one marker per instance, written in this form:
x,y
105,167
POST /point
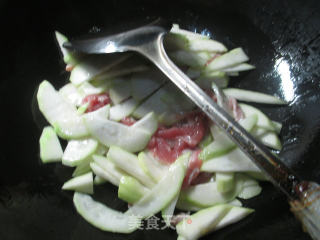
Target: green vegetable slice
x,y
103,217
77,151
252,96
59,113
83,183
130,190
210,219
50,148
163,192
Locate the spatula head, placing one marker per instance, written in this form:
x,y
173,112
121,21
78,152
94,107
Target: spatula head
x,y
117,42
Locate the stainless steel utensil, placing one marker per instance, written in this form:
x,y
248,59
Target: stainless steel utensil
x,y
304,196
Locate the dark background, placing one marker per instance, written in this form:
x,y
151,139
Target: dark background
x,y
275,34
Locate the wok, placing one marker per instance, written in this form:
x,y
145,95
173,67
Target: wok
x,y
282,39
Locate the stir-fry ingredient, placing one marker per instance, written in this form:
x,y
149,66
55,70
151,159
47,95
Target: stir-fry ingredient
x,y
96,101
169,142
126,124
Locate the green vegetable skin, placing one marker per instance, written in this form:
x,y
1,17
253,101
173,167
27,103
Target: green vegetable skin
x,y
77,151
83,183
151,166
116,153
207,194
210,219
113,133
225,182
130,190
61,115
221,144
129,163
50,148
164,191
104,217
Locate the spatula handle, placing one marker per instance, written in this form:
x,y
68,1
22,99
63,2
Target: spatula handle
x,y
307,210
277,172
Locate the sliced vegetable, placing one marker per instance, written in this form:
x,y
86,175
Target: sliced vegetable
x,y
173,42
234,215
67,123
101,150
207,194
155,104
148,123
277,126
238,68
81,169
87,88
145,83
222,144
210,219
83,108
229,59
50,148
151,166
263,120
162,193
192,59
83,183
175,100
102,113
104,217
205,141
250,192
225,182
68,57
77,151
129,163
130,190
71,94
268,138
235,161
167,212
99,180
236,203
94,66
187,34
187,206
110,168
123,109
207,45
112,133
102,173
120,89
128,66
252,96
202,222
217,148
205,80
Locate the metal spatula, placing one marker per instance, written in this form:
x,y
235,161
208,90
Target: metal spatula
x,y
304,197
